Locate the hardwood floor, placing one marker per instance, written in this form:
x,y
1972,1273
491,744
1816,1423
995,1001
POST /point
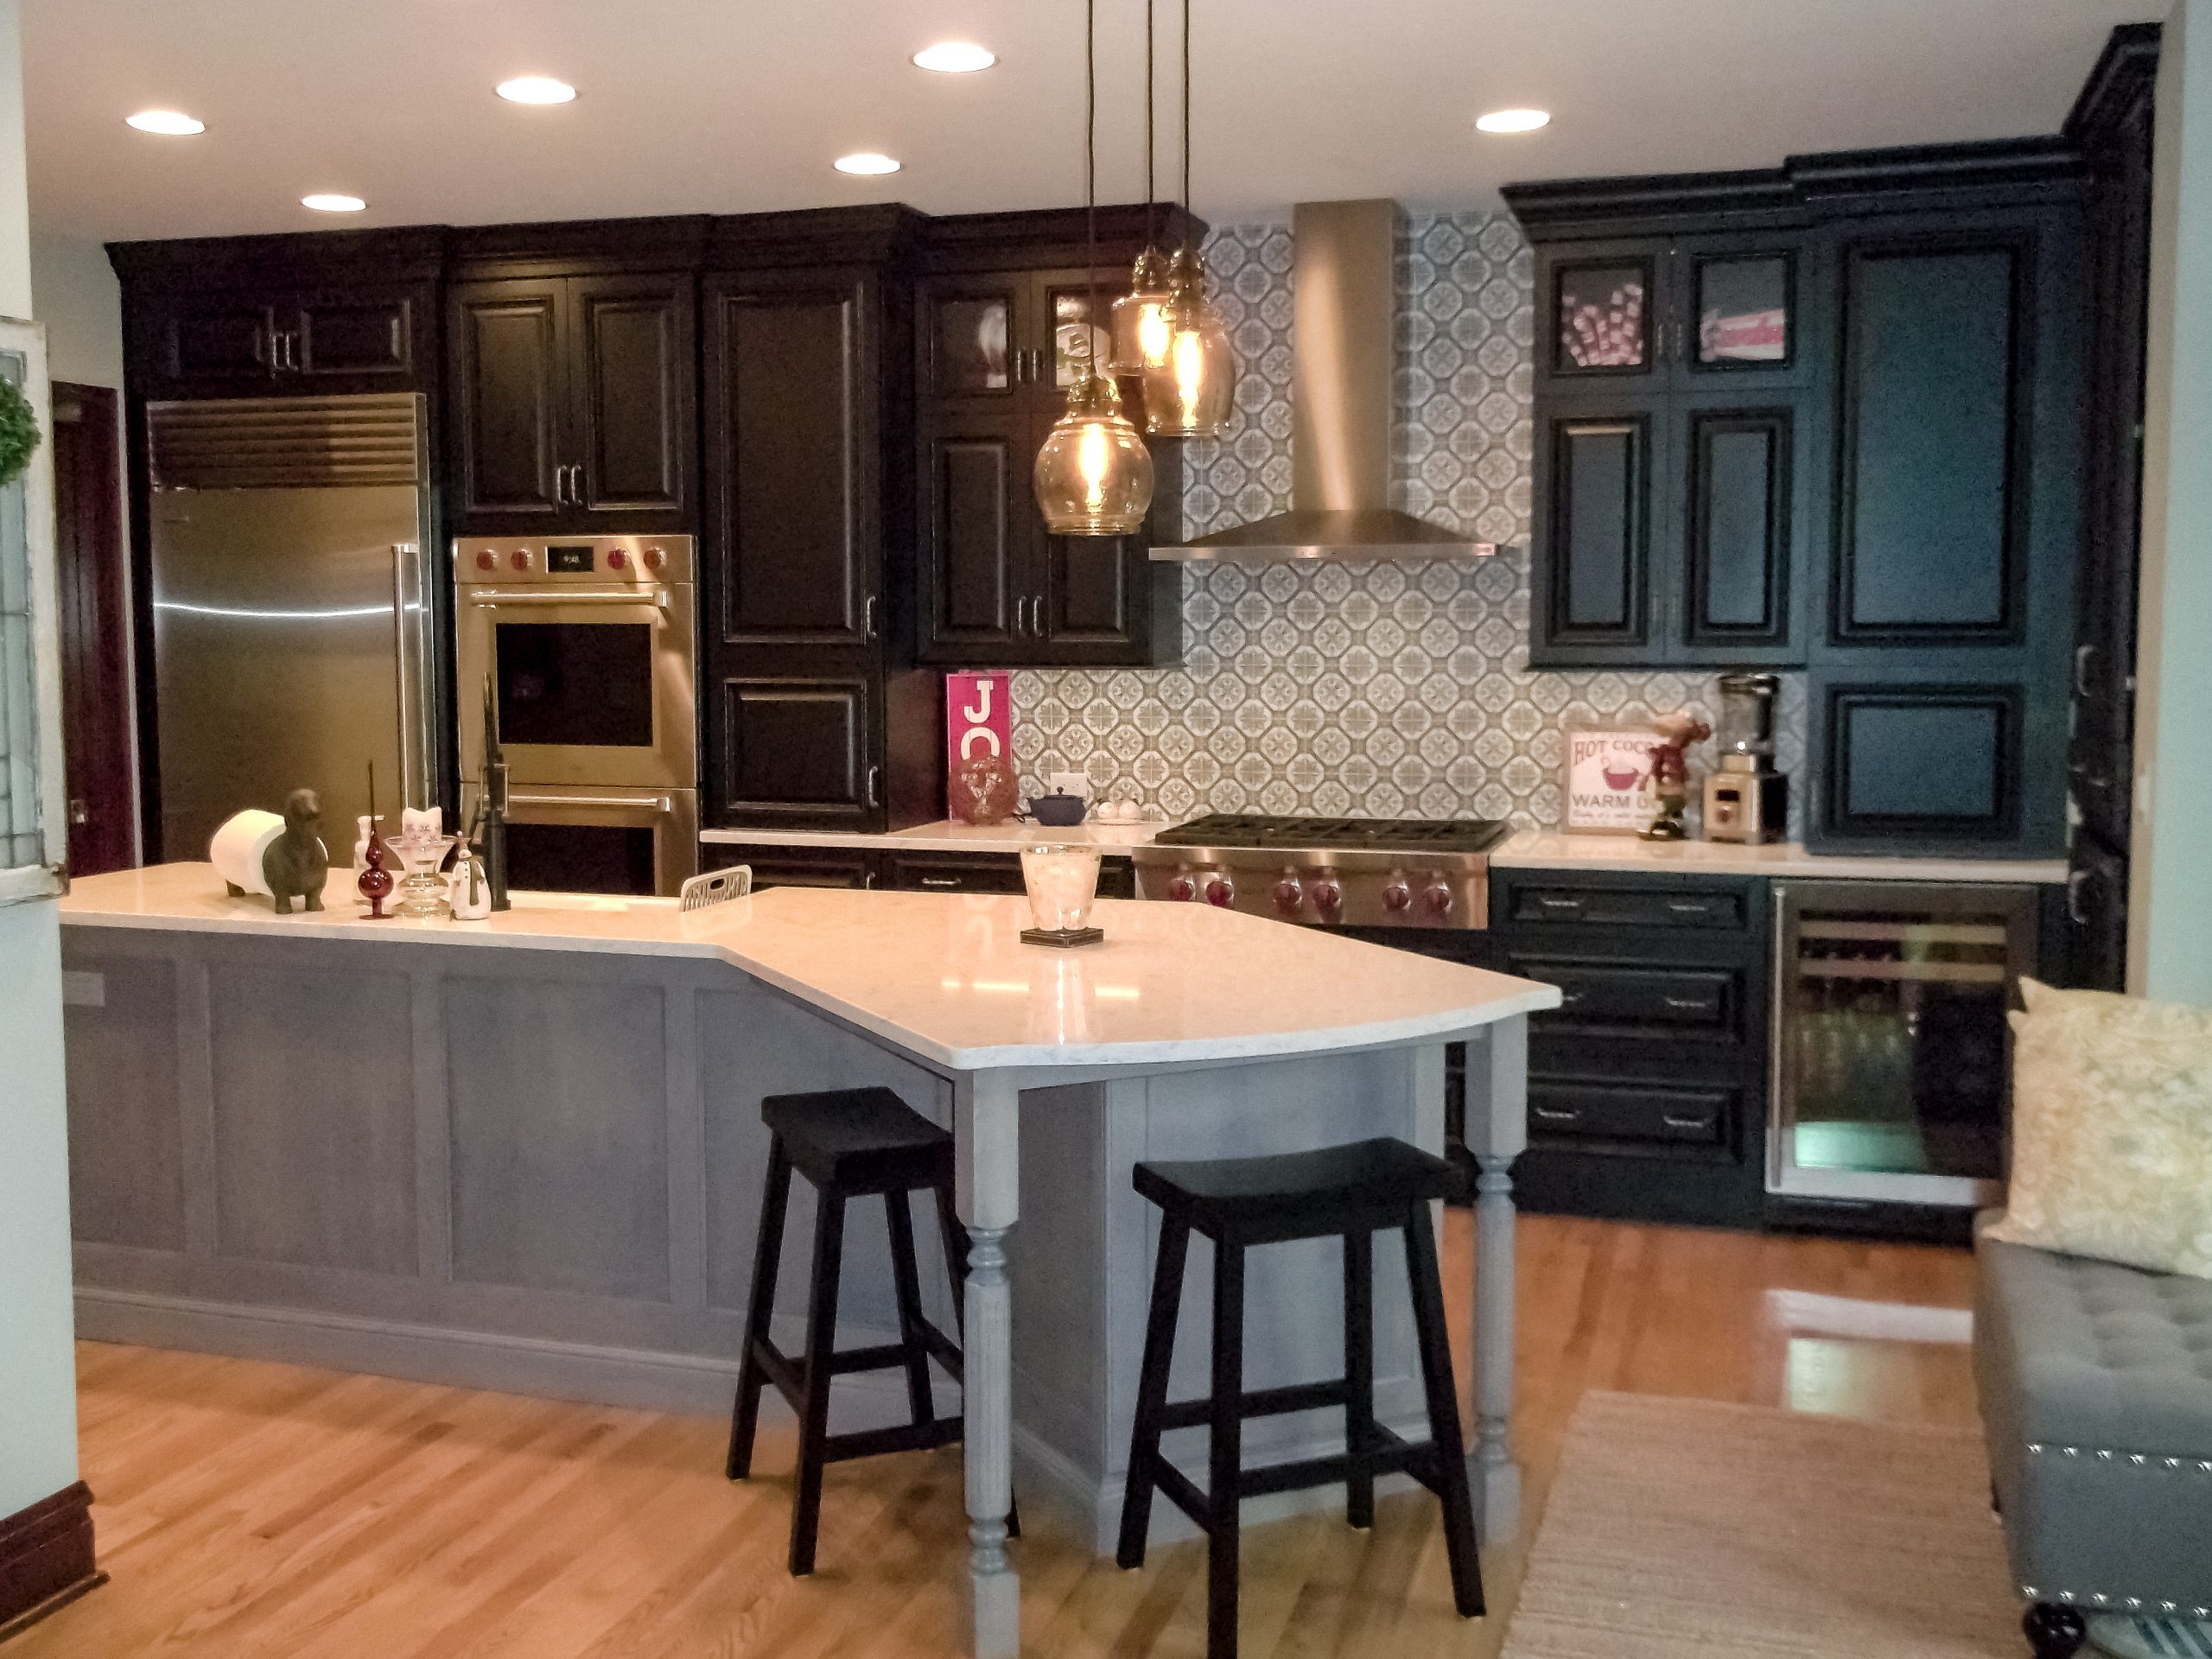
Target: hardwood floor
x,y
249,1509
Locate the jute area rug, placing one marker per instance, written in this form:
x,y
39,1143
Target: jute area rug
x,y
1685,1529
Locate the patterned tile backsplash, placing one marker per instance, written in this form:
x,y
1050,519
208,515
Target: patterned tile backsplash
x,y
1366,689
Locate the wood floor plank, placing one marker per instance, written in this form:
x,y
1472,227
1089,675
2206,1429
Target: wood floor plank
x,y
259,1511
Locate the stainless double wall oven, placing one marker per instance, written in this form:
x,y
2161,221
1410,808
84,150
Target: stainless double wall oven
x,y
587,643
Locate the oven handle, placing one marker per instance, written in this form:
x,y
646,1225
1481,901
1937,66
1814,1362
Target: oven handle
x,y
659,804
485,598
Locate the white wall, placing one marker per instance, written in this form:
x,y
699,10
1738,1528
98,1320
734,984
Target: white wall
x,y
2171,903
38,1384
77,297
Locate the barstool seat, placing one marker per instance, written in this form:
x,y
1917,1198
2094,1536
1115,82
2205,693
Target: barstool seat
x,y
1351,1192
850,1143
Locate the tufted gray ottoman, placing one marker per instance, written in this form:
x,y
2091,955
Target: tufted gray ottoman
x,y
2095,1383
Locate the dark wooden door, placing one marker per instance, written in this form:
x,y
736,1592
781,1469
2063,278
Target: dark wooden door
x,y
506,344
631,421
1599,472
796,556
370,337
203,344
1600,307
1736,527
95,678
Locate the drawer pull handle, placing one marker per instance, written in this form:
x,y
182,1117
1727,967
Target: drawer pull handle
x,y
940,880
1553,1115
1689,1004
1682,908
1673,1122
1570,999
1559,904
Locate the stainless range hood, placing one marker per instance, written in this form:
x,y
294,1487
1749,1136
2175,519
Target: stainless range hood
x,y
1344,416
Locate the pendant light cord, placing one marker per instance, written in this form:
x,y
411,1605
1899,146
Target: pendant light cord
x,y
1091,181
1187,124
1148,79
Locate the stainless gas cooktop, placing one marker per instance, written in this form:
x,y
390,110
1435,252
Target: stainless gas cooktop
x,y
1396,873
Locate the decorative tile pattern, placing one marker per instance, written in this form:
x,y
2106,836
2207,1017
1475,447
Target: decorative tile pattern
x,y
1378,690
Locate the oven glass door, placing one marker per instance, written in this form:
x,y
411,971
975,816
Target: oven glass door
x,y
600,840
592,687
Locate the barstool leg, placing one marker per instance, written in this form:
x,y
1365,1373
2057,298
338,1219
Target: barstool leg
x,y
1447,1454
1359,1374
767,1252
1152,1390
814,1409
907,1283
1224,1457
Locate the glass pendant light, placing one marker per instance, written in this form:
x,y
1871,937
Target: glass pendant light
x,y
1138,334
1093,475
1190,392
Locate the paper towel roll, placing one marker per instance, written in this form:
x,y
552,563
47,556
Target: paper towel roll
x,y
237,849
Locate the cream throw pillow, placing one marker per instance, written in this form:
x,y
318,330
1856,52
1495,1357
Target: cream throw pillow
x,y
2112,1129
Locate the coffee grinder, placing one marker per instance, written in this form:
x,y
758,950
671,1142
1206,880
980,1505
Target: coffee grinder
x,y
1746,798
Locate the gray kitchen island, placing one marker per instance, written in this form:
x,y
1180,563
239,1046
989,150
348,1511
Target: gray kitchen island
x,y
527,1153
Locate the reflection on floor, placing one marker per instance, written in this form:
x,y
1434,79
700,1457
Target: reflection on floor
x,y
250,1510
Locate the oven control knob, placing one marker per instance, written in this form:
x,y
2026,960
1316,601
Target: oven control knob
x,y
519,558
486,559
1221,892
1328,897
1182,888
1287,894
616,558
1397,895
1438,899
654,558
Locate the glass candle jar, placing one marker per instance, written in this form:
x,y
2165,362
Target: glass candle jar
x,y
1062,883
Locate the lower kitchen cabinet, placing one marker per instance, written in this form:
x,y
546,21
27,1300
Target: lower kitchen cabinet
x,y
794,867
897,869
1646,1086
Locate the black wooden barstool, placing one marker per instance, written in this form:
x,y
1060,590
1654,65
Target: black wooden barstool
x,y
850,1143
1353,1193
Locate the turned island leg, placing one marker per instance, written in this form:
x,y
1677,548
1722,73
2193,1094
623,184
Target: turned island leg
x,y
1498,1130
987,1191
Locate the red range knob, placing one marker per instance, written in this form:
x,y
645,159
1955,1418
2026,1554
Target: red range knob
x,y
1439,899
616,558
1328,898
486,559
1287,894
1220,892
519,558
1182,888
1397,896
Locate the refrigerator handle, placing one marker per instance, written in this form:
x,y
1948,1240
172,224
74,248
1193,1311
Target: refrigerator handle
x,y
408,655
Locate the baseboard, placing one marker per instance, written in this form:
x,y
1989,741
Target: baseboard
x,y
46,1558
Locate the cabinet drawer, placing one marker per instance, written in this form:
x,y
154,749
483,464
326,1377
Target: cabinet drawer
x,y
1690,1001
1712,908
952,873
1560,1109
794,867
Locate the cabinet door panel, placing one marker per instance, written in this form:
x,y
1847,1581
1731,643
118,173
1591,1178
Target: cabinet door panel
x,y
1742,312
1922,763
1087,588
973,338
217,341
365,336
632,405
797,748
508,391
979,522
1600,312
1596,546
1739,513
1931,499
785,420
796,866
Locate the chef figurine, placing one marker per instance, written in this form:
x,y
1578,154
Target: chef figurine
x,y
1670,772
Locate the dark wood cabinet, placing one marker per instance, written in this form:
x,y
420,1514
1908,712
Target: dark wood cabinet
x,y
279,331
1675,421
815,716
886,864
572,403
997,350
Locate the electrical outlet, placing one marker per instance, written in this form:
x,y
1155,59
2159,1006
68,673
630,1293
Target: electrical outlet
x,y
1069,783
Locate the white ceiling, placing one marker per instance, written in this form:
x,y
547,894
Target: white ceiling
x,y
734,106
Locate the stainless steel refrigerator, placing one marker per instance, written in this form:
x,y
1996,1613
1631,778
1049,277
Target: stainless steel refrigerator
x,y
292,618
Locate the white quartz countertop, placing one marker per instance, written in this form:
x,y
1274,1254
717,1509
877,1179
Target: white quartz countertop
x,y
1548,850
944,977
948,836
1525,850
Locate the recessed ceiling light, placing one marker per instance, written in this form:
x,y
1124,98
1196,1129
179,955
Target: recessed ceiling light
x,y
1514,120
535,89
866,163
954,58
172,124
327,202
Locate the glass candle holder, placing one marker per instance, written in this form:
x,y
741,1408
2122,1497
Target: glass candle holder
x,y
1061,882
420,847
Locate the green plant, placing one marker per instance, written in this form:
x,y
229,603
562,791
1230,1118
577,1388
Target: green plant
x,y
19,433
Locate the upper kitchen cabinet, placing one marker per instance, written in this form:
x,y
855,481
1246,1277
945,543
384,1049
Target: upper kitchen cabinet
x,y
815,716
270,317
571,374
1678,378
1004,328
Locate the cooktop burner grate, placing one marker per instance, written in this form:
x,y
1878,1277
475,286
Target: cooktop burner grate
x,y
1233,830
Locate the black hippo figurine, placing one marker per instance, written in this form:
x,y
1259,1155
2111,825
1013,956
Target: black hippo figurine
x,y
296,862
